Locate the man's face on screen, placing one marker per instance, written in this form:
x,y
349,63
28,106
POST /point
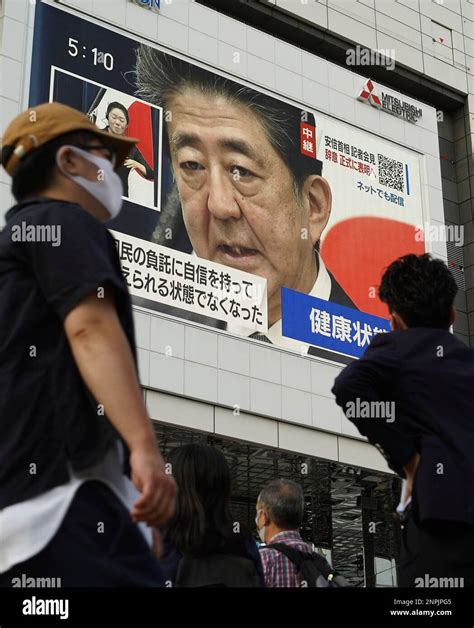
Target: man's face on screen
x,y
237,194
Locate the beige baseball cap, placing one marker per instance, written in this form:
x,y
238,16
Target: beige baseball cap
x,y
38,125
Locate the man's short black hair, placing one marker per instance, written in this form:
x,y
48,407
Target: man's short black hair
x,y
420,289
283,500
160,76
35,172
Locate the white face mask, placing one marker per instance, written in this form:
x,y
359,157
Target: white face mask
x,y
108,190
261,531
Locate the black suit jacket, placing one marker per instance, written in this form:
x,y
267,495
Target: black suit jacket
x,y
429,375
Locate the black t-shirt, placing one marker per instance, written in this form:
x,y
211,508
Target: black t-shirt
x,y
47,415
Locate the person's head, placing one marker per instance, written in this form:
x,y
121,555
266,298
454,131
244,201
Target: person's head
x,y
55,151
419,291
250,198
117,118
202,515
280,507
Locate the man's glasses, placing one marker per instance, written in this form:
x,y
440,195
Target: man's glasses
x,y
108,152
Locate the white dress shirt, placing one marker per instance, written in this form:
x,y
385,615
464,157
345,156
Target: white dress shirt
x,y
27,527
321,289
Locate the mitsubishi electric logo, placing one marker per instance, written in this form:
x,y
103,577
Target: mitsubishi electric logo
x,y
390,104
367,94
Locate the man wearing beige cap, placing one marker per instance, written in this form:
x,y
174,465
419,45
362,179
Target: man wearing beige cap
x,y
73,425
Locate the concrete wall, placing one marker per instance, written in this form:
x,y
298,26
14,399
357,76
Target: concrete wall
x,y
211,380
413,28
16,36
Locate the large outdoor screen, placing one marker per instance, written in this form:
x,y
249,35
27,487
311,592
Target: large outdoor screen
x,y
242,210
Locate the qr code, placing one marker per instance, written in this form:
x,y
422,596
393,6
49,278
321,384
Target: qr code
x,y
391,173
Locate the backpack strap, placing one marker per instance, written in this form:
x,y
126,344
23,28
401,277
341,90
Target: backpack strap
x,y
323,566
295,555
298,557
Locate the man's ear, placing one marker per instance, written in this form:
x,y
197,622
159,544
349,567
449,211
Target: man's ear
x,y
452,315
397,322
69,160
393,322
318,199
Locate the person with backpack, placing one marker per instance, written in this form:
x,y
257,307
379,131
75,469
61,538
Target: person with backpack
x,y
203,545
287,560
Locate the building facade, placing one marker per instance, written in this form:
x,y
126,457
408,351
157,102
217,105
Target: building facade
x,y
399,71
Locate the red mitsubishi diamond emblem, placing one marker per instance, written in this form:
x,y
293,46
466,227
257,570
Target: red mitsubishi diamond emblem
x,y
368,95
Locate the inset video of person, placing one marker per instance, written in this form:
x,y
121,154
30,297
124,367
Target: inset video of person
x,y
249,197
118,119
121,115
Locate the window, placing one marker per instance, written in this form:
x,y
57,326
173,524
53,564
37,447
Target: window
x,y
442,40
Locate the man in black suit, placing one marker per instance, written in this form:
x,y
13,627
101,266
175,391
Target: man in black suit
x,y
426,375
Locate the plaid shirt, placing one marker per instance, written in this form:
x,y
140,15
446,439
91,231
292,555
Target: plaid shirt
x,y
278,570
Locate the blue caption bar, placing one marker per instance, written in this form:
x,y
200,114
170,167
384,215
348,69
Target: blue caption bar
x,y
328,325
